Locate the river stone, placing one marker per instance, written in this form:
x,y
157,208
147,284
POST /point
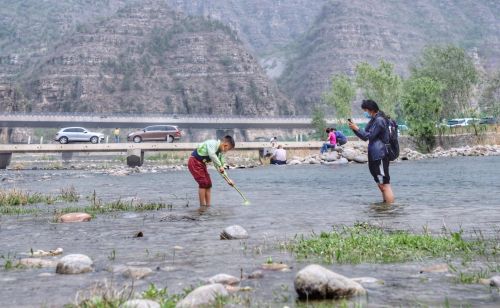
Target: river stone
x,y
43,253
360,159
37,262
74,264
436,268
224,279
203,296
495,281
314,161
294,162
340,161
275,267
140,303
75,217
350,154
234,232
367,280
137,272
317,282
256,275
330,156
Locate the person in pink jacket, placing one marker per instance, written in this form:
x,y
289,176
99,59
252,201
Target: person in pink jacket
x,y
331,141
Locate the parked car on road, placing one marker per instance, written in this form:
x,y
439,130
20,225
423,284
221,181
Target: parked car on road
x,y
74,134
488,120
462,122
167,133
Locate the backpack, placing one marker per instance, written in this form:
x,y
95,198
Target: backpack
x,y
341,139
393,145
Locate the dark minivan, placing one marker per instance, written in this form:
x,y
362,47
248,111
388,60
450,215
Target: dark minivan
x,y
167,133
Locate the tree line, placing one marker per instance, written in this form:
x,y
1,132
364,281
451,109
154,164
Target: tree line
x,y
443,83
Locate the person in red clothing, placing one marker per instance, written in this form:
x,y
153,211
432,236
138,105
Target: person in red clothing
x,y
209,151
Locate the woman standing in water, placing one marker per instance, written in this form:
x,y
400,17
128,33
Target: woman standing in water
x,y
377,134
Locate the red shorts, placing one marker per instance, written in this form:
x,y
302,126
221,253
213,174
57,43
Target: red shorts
x,y
200,173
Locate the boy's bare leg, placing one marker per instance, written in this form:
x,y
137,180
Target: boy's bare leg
x,y
387,193
208,196
202,192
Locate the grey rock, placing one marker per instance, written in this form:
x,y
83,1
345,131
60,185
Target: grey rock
x,y
314,161
137,272
367,280
203,296
317,282
350,154
294,162
436,268
330,156
224,279
256,275
74,264
234,233
140,303
495,281
361,159
37,262
340,161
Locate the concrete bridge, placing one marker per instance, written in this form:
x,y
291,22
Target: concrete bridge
x,y
57,120
135,151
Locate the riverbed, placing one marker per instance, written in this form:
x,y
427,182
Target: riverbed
x,y
182,245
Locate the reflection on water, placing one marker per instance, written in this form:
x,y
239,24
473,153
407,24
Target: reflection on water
x,y
385,210
290,200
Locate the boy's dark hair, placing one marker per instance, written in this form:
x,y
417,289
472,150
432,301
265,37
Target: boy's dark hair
x,y
370,105
229,140
333,129
327,130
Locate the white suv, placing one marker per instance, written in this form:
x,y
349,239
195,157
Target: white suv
x,y
71,134
462,122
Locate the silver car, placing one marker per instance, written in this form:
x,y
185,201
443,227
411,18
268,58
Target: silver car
x,y
72,134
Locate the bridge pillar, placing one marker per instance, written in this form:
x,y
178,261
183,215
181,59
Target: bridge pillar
x,y
66,156
5,160
220,133
135,157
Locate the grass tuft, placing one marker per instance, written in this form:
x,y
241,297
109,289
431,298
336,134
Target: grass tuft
x,y
69,194
363,243
15,197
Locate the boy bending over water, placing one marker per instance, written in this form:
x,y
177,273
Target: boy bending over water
x,y
209,151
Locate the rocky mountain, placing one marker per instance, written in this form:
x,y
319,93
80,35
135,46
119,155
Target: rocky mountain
x,y
29,28
348,32
268,27
106,55
148,58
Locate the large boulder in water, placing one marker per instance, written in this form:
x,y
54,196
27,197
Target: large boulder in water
x,y
317,282
234,233
74,264
204,296
75,217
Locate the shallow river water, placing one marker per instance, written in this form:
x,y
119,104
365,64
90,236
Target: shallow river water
x,y
286,201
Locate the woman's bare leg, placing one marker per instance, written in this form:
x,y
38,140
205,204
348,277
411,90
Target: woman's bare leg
x,y
387,193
